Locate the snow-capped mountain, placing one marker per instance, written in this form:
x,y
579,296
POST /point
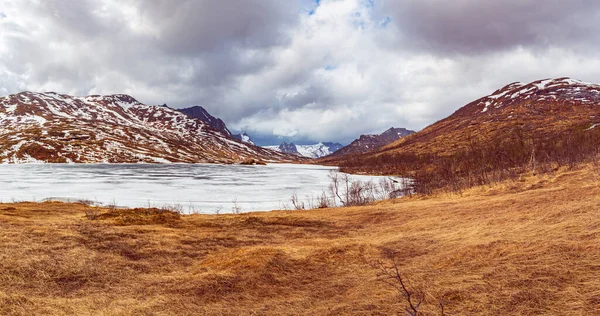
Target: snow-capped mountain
x,y
547,90
244,138
311,151
51,127
366,143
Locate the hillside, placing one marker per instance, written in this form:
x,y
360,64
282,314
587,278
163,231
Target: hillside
x,y
529,247
367,143
534,127
549,107
50,127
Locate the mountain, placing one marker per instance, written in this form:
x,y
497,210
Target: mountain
x,y
216,123
544,107
51,127
311,151
244,138
514,129
203,115
366,143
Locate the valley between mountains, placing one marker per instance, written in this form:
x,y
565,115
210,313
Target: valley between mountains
x,y
500,215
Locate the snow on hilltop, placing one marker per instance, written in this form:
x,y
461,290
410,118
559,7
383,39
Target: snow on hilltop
x,y
542,90
244,138
51,127
311,151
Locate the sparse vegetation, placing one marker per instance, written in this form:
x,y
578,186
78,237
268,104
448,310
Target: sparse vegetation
x,y
518,247
410,297
92,213
344,191
487,161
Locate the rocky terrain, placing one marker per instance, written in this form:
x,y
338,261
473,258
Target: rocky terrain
x,y
51,127
203,115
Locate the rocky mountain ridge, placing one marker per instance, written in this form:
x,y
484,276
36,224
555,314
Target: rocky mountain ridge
x,y
51,127
366,143
203,115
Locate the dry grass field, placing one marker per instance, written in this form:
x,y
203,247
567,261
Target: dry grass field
x,y
527,247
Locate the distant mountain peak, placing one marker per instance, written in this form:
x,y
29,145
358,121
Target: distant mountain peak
x,y
288,148
203,115
244,138
318,150
370,142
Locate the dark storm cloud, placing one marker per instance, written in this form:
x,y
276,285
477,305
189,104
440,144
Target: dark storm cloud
x,y
190,27
478,26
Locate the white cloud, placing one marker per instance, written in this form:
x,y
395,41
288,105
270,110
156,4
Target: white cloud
x,y
276,68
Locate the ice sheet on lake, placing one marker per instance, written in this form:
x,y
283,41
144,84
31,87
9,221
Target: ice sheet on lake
x,y
197,188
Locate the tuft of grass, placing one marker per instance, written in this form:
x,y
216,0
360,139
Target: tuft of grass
x,y
140,216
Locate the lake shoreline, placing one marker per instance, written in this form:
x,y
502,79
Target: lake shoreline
x,y
186,188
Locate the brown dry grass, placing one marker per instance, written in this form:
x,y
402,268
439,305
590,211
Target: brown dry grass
x,y
526,247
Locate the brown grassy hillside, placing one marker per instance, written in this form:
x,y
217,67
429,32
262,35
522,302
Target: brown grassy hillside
x,y
529,247
534,127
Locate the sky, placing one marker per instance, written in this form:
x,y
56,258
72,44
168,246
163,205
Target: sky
x,y
297,70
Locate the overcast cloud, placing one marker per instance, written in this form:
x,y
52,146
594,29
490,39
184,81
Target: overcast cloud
x,y
299,70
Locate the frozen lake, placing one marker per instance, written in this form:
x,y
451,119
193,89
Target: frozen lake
x,y
191,188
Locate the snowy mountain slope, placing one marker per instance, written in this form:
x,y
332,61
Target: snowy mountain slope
x,y
51,127
311,151
243,137
547,90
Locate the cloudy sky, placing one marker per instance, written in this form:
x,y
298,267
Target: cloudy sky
x,y
302,70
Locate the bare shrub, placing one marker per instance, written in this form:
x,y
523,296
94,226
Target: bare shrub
x,y
334,186
113,204
92,213
347,192
175,208
411,297
296,203
236,208
485,159
323,201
